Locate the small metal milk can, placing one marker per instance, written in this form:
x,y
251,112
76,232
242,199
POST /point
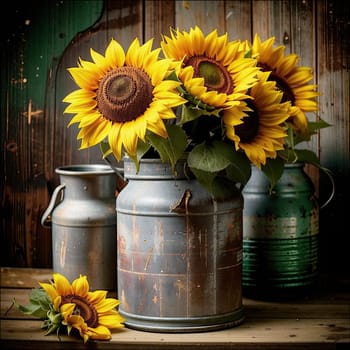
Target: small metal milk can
x,y
82,215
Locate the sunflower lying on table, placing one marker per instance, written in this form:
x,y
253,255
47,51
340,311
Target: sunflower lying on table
x,y
72,307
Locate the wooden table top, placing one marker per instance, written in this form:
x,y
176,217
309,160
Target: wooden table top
x,y
318,321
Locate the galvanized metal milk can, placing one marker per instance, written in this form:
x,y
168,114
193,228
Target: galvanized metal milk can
x,y
82,215
179,252
280,233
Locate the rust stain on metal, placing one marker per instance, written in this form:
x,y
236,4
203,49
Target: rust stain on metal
x,y
63,250
181,206
148,259
123,301
179,284
186,5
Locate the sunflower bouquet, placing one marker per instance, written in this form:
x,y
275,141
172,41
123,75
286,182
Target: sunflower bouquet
x,y
73,308
223,105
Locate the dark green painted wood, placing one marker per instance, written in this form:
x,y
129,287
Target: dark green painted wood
x,y
32,43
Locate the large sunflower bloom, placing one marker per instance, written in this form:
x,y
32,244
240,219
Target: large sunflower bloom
x,y
262,134
91,313
214,71
291,79
121,96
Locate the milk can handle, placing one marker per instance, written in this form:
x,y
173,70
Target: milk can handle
x,y
329,174
45,221
121,182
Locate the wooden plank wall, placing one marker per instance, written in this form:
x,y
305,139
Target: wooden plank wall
x,y
34,79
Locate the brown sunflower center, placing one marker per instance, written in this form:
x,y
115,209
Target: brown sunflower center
x,y
250,127
83,308
216,77
281,84
124,94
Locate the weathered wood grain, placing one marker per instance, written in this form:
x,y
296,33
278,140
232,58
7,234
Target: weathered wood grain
x,y
42,42
318,322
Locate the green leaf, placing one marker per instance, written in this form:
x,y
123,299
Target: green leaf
x,y
320,124
172,76
307,156
248,54
219,168
204,178
287,156
105,149
191,112
218,156
142,149
212,157
31,309
222,188
299,156
51,328
37,295
239,170
312,129
171,149
39,304
273,169
219,186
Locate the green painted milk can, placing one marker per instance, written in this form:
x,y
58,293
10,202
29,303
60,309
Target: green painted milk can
x,y
280,233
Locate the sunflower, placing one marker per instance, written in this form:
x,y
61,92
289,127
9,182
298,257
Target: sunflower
x,y
262,133
91,313
214,72
291,79
122,96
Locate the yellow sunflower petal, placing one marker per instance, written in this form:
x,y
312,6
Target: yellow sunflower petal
x,y
81,105
62,284
99,333
112,321
93,134
307,105
144,53
96,296
99,60
106,305
92,68
287,64
129,137
158,71
131,58
115,55
158,128
84,79
81,286
79,95
86,119
67,310
170,99
115,141
50,290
